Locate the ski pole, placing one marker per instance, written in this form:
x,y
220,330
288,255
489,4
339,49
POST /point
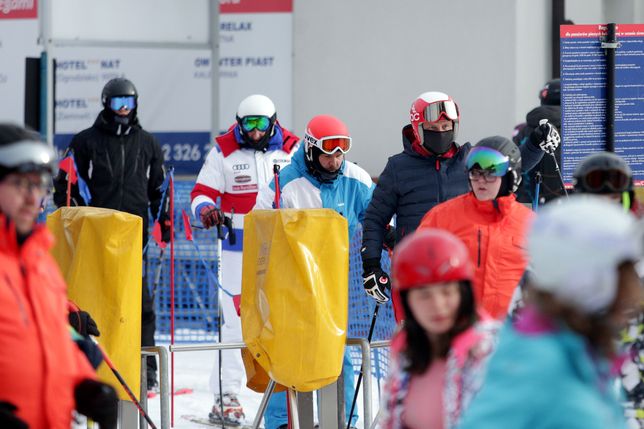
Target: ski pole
x,y
537,187
355,394
109,363
276,173
157,274
563,185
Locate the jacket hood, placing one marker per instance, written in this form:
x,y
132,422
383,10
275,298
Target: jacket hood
x,y
551,113
410,145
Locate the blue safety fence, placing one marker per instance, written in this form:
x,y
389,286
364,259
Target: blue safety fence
x,y
196,315
196,307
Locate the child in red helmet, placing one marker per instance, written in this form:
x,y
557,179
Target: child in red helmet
x,y
439,355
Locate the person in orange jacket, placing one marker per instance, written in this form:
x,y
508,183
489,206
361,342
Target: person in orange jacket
x,y
43,375
490,221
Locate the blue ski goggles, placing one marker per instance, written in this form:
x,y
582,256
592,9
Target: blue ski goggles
x,y
126,102
249,123
487,159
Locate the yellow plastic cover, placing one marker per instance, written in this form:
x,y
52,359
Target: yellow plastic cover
x,y
99,252
295,293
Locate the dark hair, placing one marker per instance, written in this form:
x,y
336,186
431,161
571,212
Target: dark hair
x,y
418,349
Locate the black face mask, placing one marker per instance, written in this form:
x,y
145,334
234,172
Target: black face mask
x,y
438,142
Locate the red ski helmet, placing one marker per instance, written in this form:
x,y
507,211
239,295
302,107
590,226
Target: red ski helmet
x,y
430,256
431,107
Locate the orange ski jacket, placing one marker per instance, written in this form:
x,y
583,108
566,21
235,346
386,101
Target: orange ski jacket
x,y
494,232
39,363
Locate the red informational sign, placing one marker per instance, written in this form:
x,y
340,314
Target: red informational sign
x,y
18,9
255,6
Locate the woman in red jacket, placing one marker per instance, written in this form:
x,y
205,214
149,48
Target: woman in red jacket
x,y
490,221
43,375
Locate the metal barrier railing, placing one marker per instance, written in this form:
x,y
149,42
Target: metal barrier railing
x,y
365,351
375,345
164,384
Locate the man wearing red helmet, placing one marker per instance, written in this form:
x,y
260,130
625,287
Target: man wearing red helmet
x,y
438,357
320,177
240,163
430,170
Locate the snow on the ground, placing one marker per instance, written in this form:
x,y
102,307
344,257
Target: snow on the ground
x,y
192,370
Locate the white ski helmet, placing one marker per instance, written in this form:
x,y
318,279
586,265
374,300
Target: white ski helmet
x,y
256,109
575,247
256,105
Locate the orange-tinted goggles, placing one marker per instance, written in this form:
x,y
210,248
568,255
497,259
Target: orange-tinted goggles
x,y
332,144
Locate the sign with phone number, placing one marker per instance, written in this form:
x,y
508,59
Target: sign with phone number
x,y
185,151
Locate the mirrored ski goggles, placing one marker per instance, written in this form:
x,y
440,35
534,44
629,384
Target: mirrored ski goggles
x,y
330,144
606,181
488,159
28,156
441,110
126,102
249,123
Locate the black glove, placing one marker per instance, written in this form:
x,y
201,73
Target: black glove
x,y
390,238
8,418
83,323
211,216
98,401
545,137
165,230
375,281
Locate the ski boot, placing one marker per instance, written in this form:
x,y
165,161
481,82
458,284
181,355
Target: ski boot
x,y
231,413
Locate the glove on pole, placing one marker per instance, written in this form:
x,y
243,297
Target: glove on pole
x,y
550,143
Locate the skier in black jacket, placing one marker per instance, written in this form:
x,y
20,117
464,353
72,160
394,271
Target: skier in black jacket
x,y
122,165
431,169
550,109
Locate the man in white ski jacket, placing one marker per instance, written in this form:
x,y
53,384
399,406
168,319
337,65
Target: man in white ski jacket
x,y
240,163
320,177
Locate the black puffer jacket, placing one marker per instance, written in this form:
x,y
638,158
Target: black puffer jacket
x,y
122,165
411,184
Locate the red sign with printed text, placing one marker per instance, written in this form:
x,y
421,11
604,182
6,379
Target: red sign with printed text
x,y
255,6
18,9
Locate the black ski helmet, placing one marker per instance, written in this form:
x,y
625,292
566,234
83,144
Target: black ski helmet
x,y
118,87
550,94
614,175
512,178
23,151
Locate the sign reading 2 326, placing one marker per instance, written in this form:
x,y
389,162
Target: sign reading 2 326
x,y
181,152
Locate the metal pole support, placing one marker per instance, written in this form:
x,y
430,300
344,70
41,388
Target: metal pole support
x,y
164,384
